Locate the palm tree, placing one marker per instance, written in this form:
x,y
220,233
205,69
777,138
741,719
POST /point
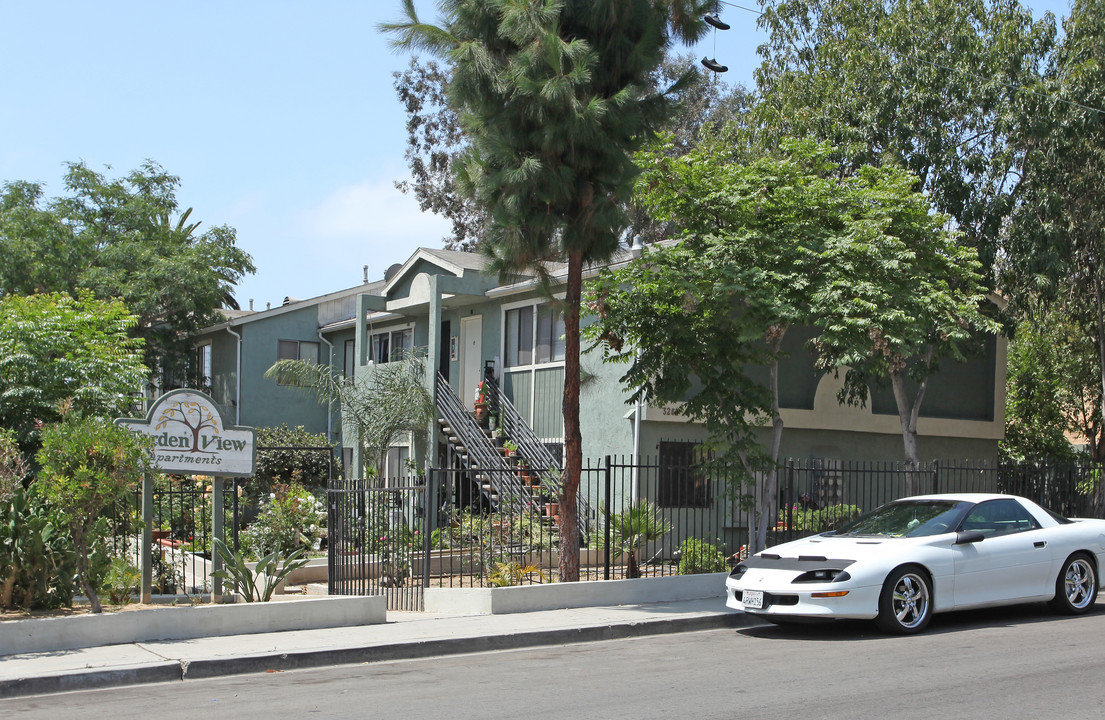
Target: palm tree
x,y
633,527
392,404
554,97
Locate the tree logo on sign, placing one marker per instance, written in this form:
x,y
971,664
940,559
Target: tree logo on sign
x,y
193,415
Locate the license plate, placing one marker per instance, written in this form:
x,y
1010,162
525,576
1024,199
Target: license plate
x,y
753,599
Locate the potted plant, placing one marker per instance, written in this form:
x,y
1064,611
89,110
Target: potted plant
x,y
498,437
481,406
510,447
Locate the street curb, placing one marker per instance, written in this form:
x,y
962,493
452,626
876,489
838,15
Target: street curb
x,y
278,662
90,680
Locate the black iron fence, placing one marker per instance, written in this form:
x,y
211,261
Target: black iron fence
x,y
818,495
652,517
181,529
377,540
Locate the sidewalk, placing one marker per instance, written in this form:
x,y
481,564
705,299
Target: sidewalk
x,y
406,635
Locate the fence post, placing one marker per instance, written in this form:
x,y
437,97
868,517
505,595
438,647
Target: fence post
x,y
429,524
606,520
790,499
935,476
146,557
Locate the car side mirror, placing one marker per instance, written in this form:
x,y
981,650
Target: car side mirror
x,y
969,536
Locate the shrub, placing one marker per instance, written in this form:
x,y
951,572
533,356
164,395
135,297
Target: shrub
x,y
38,563
289,519
511,573
121,581
296,463
13,465
88,465
699,556
819,520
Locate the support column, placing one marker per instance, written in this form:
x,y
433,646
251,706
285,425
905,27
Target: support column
x,y
360,351
433,353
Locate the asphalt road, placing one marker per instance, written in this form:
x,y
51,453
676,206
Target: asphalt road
x,y
1010,663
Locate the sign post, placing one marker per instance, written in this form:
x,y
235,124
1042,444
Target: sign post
x,y
190,438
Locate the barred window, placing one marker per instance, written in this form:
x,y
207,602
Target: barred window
x,y
682,482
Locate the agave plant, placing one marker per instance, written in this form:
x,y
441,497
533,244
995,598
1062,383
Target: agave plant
x,y
634,526
258,584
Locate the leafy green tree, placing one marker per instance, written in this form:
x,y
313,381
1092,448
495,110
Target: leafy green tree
x,y
126,239
770,243
57,350
901,297
1058,239
553,98
1053,388
434,142
935,86
695,319
88,465
390,406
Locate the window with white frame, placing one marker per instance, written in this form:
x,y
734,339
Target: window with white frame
x,y
534,335
391,345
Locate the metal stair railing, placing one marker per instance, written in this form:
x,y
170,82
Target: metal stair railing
x,y
530,446
482,455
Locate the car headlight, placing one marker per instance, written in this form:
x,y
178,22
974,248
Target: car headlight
x,y
737,572
822,575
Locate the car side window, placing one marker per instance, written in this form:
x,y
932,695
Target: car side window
x,y
999,517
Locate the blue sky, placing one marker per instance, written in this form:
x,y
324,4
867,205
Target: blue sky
x,y
279,117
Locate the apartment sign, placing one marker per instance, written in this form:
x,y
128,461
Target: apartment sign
x,y
190,437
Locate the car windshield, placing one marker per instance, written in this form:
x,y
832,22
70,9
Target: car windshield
x,y
909,518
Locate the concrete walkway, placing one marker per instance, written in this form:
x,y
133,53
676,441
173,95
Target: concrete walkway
x,y
403,636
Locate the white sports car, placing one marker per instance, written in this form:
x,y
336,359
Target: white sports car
x,y
912,557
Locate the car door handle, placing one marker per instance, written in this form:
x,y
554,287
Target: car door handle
x,y
1040,543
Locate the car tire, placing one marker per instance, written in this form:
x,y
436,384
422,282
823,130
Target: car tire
x,y
1076,586
905,604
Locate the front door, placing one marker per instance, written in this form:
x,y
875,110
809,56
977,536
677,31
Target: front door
x,y
471,358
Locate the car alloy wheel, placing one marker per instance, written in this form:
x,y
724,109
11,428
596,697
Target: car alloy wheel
x,y
905,605
1076,586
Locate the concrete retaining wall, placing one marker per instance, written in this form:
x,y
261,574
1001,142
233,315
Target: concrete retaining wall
x,y
176,623
554,596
